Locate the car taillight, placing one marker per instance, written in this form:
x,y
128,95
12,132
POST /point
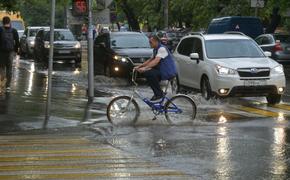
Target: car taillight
x,y
278,47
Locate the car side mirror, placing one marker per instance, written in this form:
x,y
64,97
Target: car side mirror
x,y
194,56
268,54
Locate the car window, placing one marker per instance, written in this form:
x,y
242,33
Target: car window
x,y
40,34
259,40
61,36
123,41
186,46
232,48
197,48
32,32
266,40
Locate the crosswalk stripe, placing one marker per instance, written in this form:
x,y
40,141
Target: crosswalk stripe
x,y
67,151
258,111
281,106
91,175
78,166
61,158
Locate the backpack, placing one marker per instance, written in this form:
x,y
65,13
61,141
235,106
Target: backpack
x,y
7,39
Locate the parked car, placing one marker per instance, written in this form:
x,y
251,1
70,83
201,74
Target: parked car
x,y
20,33
251,26
66,47
27,41
116,53
225,65
277,44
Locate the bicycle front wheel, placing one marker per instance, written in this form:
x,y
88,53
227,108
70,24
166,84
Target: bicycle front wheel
x,y
180,109
123,110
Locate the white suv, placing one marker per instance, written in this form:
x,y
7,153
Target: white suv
x,y
226,65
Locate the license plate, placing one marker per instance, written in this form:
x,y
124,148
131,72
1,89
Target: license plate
x,y
63,52
255,82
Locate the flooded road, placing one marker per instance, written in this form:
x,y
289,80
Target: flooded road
x,y
236,138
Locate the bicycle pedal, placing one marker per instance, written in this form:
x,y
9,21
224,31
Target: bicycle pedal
x,y
154,118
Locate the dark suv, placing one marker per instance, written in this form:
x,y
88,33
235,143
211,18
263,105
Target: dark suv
x,y
116,53
66,47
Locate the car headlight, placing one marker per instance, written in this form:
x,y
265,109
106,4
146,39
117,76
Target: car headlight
x,y
31,43
120,58
78,45
46,45
225,71
278,69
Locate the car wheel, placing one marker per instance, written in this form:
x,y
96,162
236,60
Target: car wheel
x,y
175,86
274,98
206,89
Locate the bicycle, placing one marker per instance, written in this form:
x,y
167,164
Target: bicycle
x,y
125,109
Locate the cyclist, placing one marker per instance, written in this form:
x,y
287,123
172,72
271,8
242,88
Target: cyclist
x,y
159,67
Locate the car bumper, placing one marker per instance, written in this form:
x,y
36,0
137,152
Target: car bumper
x,y
65,54
121,69
240,87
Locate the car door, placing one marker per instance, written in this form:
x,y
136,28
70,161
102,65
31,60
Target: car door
x,y
38,44
189,68
197,65
23,42
182,59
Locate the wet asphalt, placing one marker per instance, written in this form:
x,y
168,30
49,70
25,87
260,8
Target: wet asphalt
x,y
237,138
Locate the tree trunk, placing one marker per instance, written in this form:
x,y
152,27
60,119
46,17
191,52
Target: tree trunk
x,y
132,20
274,20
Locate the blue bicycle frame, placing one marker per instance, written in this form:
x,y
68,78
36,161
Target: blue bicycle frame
x,y
158,107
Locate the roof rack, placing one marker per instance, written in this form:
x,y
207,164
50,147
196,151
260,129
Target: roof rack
x,y
234,32
196,33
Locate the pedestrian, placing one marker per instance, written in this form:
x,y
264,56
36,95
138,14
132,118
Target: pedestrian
x,y
84,31
9,45
159,67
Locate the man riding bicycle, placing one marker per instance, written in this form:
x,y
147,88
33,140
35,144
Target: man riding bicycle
x,y
159,67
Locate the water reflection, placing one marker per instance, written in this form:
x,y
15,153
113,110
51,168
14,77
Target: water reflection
x,y
30,80
223,154
4,102
279,162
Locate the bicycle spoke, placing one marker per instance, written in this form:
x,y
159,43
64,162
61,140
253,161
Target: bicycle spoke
x,y
180,110
123,110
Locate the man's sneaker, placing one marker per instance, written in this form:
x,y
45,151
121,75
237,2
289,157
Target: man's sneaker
x,y
156,98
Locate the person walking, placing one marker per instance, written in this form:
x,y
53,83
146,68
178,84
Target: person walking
x,y
9,45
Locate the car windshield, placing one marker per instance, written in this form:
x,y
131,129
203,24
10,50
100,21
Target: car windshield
x,y
61,36
32,32
129,41
283,38
232,48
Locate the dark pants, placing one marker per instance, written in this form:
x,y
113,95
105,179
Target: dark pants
x,y
153,78
6,61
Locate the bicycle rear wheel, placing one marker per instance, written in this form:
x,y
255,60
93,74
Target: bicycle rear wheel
x,y
180,109
123,110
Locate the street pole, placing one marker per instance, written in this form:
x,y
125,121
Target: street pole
x,y
90,56
256,11
50,64
166,14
